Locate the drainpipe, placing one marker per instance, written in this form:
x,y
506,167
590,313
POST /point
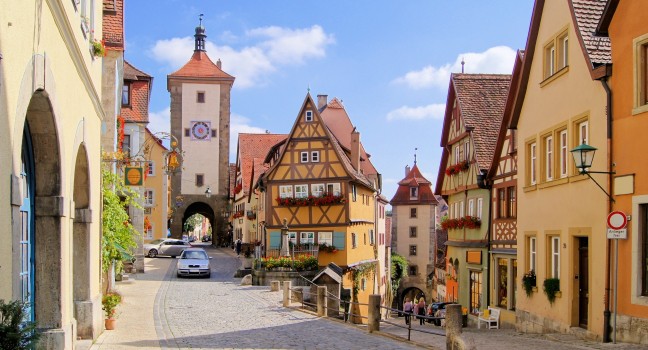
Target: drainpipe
x,y
608,249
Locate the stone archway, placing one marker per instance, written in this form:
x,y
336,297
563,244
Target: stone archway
x,y
199,208
81,273
49,210
412,293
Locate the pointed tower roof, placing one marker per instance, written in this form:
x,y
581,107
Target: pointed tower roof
x,y
200,65
414,178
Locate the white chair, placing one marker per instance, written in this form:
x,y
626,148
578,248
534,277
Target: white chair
x,y
490,316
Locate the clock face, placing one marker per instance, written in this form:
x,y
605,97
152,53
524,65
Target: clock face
x,y
200,130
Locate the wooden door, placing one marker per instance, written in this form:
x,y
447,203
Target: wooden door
x,y
583,281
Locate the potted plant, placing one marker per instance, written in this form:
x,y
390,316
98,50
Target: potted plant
x,y
528,282
98,48
551,287
109,304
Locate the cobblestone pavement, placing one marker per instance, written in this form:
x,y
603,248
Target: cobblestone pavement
x,y
161,311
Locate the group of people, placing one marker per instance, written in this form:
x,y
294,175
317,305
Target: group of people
x,y
417,308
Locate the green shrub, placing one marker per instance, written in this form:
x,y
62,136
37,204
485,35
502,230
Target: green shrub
x,y
551,286
14,333
110,302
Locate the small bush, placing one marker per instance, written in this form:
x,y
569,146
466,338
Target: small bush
x,y
14,333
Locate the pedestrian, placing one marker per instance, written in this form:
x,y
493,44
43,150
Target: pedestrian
x,y
239,244
421,310
407,309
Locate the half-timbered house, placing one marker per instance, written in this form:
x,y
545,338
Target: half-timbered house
x,y
474,110
323,187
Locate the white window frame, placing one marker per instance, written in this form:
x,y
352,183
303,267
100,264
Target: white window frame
x,y
149,231
583,132
467,150
413,193
151,168
307,237
565,53
555,257
354,193
457,154
552,61
480,207
549,158
286,191
333,188
372,238
292,237
315,156
461,209
317,190
563,153
149,197
325,237
532,254
301,191
309,116
303,158
456,210
533,149
471,207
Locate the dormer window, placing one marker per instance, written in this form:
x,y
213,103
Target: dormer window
x,y
413,192
309,116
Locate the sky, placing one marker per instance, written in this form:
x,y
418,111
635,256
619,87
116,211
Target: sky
x,y
388,61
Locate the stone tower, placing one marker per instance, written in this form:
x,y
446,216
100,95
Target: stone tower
x,y
200,122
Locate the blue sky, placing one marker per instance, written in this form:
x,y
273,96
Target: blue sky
x,y
388,61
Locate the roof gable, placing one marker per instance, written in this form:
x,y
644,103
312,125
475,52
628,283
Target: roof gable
x,y
252,149
201,66
414,178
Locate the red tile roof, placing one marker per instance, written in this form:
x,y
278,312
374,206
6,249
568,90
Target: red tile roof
x,y
587,14
481,99
201,66
113,24
252,150
140,92
414,178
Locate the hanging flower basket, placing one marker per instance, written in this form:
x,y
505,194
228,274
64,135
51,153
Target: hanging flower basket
x,y
464,165
238,188
470,222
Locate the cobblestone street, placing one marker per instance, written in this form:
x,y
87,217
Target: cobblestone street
x,y
161,311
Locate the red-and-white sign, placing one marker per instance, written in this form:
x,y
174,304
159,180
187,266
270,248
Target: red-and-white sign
x,y
617,220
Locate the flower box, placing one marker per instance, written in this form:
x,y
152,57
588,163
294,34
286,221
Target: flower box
x,y
325,199
457,168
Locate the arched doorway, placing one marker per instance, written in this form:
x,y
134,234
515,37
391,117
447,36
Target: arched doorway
x,y
413,293
200,208
81,247
48,209
26,242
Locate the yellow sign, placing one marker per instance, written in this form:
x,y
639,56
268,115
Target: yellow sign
x,y
474,257
134,176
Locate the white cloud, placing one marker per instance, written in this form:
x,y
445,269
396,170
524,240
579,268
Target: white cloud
x,y
160,121
251,65
433,111
498,59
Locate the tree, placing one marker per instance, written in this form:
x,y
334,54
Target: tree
x,y
398,271
118,233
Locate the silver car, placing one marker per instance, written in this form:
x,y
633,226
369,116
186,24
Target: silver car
x,y
167,247
194,262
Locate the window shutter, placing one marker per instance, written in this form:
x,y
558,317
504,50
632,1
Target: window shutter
x,y
275,240
339,240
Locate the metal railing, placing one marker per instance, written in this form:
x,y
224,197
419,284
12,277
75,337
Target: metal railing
x,y
412,316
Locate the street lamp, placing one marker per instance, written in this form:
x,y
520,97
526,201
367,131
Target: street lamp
x,y
208,192
583,158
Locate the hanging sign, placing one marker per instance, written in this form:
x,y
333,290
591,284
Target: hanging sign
x,y
134,176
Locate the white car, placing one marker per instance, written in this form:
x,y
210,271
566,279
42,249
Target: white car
x,y
169,247
194,262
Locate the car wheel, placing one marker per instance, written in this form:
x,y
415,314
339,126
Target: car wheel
x,y
178,275
209,275
152,253
173,256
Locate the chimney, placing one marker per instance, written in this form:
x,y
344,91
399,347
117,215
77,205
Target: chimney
x,y
322,100
355,149
218,63
407,170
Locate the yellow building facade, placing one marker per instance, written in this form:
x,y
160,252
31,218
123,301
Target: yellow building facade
x,y
561,215
50,117
156,187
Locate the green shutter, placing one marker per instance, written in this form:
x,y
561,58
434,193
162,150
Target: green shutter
x,y
275,239
339,240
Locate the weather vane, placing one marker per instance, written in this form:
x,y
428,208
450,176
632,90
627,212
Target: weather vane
x,y
415,149
200,18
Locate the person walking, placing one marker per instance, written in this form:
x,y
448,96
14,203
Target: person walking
x,y
238,246
407,309
421,310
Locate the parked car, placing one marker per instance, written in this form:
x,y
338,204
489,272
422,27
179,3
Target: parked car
x,y
206,238
438,310
193,262
167,247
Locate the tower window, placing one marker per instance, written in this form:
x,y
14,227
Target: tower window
x,y
126,98
187,132
200,97
200,180
213,133
309,116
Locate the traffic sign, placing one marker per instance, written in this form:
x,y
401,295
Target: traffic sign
x,y
617,220
617,234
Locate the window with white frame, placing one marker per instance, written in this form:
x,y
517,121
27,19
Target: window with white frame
x,y
315,156
413,193
317,190
304,157
354,193
292,237
307,237
461,209
150,168
333,189
325,238
471,207
301,191
533,164
564,51
549,158
480,207
148,231
583,132
640,72
456,152
532,254
563,153
285,191
456,210
148,197
466,150
372,238
309,116
555,257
